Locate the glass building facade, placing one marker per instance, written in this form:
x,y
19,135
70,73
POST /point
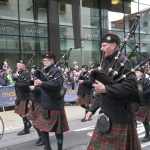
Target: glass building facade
x,y
39,26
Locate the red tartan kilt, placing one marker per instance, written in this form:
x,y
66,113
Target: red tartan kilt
x,y
143,114
32,115
87,99
56,123
121,136
22,108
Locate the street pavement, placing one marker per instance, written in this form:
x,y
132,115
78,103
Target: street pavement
x,y
76,139
14,122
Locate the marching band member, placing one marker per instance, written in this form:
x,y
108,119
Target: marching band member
x,y
35,108
53,116
85,93
22,83
143,109
115,127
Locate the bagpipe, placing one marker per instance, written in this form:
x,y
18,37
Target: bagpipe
x,y
50,76
108,79
21,77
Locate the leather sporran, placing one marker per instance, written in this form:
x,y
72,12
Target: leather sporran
x,y
103,123
46,113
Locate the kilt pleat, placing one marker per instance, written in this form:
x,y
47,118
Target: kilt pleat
x,y
22,108
121,136
143,114
56,123
87,99
32,115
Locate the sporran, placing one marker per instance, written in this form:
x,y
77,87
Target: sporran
x,y
103,123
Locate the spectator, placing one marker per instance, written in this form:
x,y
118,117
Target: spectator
x,y
6,67
5,71
3,79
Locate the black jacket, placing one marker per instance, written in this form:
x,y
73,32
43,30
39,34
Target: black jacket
x,y
4,80
22,86
144,91
35,95
116,103
86,86
49,88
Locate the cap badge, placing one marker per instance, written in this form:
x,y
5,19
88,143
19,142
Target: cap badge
x,y
46,54
21,61
108,38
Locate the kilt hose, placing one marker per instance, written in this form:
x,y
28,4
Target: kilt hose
x,y
86,99
57,122
121,136
22,108
32,115
143,114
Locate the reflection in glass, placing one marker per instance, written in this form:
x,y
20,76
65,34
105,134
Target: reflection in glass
x,y
91,17
91,52
144,19
9,27
130,16
9,50
143,1
33,10
33,29
9,10
115,17
65,13
145,50
34,45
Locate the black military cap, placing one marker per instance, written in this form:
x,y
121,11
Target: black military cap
x,y
110,38
140,69
36,67
85,66
49,56
21,61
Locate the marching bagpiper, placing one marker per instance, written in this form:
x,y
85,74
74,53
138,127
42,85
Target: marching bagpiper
x,y
53,116
21,83
85,93
143,109
115,127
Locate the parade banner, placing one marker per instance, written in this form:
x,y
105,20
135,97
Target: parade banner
x,y
71,95
7,96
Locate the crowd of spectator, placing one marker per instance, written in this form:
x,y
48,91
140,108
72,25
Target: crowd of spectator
x,y
6,75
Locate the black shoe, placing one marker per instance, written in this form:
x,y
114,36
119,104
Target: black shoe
x,y
146,139
83,120
39,142
23,132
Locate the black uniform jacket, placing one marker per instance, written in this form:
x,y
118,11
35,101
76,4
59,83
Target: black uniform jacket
x,y
35,95
144,90
22,86
50,88
116,103
86,86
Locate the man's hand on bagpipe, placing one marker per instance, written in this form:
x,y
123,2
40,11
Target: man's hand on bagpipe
x,y
99,87
37,82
